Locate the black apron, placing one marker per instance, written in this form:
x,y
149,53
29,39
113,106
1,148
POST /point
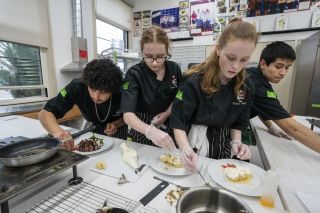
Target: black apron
x,y
219,142
121,132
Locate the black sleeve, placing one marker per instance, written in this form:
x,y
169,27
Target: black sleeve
x,y
184,105
63,102
243,120
130,92
268,107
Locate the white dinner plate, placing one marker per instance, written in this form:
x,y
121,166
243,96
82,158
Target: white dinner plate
x,y
156,164
251,188
107,143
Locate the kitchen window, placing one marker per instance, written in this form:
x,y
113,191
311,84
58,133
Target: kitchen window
x,y
109,36
21,73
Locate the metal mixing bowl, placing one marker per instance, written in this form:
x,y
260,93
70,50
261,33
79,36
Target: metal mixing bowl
x,y
211,200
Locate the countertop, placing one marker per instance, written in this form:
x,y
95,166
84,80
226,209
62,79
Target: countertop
x,y
296,165
21,126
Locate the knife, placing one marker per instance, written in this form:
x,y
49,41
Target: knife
x,y
150,196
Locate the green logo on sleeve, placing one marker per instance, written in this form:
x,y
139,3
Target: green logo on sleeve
x,y
315,105
271,94
125,85
179,95
63,92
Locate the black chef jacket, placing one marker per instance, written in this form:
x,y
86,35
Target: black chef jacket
x,y
142,92
222,109
265,103
76,93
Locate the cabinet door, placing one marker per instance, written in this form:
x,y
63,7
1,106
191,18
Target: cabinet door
x,y
313,108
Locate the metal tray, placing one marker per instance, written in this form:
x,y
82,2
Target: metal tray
x,y
85,197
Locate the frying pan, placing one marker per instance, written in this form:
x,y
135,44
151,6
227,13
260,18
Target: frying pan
x,y
32,151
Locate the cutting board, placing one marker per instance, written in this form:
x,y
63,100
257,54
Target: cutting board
x,y
115,166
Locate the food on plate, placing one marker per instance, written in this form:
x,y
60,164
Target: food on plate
x,y
173,195
171,160
91,144
130,156
236,173
101,165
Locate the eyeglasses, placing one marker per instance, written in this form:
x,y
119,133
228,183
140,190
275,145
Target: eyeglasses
x,y
157,59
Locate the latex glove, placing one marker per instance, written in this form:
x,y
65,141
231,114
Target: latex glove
x,y
66,139
273,130
159,137
130,156
160,118
111,129
189,159
241,150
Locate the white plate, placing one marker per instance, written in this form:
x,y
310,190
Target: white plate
x,y
156,164
252,188
107,143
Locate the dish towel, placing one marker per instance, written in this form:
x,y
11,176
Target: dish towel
x,y
198,139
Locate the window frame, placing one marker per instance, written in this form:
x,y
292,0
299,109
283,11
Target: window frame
x,y
43,52
124,37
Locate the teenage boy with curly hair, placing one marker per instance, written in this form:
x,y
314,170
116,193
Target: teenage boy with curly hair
x,y
97,94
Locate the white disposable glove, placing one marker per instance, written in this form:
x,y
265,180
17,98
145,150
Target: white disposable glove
x,y
159,137
189,159
273,130
241,150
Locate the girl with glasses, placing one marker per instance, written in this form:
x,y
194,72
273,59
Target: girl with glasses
x,y
149,90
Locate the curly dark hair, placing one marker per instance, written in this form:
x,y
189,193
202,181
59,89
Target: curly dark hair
x,y
103,75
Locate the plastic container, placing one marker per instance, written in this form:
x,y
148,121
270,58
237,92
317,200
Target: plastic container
x,y
117,43
269,189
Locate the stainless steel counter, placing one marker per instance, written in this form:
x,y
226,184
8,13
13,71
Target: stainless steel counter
x,y
20,108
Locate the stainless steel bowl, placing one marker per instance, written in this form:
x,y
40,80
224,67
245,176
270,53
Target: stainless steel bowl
x,y
211,200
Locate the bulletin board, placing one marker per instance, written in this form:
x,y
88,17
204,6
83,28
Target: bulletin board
x,y
209,17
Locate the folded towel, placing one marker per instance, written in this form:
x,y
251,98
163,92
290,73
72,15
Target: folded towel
x,y
198,139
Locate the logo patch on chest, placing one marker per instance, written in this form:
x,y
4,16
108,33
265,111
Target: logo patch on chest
x,y
174,82
240,99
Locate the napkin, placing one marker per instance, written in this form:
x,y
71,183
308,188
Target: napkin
x,y
310,202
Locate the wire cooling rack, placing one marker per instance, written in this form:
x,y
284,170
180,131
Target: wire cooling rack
x,y
84,198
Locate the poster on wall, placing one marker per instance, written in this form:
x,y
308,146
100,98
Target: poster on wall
x,y
146,19
315,18
155,17
269,7
281,22
141,20
168,19
304,5
137,24
201,13
184,15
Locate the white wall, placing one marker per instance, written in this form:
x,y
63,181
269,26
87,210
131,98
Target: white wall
x,y
297,20
60,15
